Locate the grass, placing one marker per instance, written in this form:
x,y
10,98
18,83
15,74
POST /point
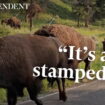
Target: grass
x,y
96,65
61,13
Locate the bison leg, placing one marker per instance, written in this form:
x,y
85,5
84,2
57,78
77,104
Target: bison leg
x,y
20,91
59,88
18,26
87,64
63,94
33,92
11,97
51,81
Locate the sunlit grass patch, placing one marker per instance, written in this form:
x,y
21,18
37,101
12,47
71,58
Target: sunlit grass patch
x,y
91,31
2,95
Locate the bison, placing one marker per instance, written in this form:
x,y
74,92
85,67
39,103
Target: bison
x,y
32,11
69,37
19,54
13,22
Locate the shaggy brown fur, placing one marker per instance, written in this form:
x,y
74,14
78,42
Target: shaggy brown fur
x,y
13,22
4,21
33,10
70,37
18,55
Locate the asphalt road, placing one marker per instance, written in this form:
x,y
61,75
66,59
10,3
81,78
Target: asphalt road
x,y
92,93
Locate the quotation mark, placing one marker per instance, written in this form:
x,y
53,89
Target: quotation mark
x,y
63,49
71,48
86,49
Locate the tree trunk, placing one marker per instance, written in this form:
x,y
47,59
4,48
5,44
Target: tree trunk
x,y
30,24
78,24
86,21
46,3
26,16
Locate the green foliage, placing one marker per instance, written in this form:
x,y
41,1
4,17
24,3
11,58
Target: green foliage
x,y
61,11
2,95
4,15
84,9
100,22
100,13
4,30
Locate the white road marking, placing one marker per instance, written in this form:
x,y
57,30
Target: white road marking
x,y
73,88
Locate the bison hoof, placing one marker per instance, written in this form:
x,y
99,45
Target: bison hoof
x,y
39,102
63,97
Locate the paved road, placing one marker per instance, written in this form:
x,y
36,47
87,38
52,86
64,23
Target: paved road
x,y
92,93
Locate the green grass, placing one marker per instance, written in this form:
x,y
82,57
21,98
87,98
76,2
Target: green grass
x,y
61,12
2,95
96,65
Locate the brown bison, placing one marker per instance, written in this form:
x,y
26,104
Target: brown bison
x,y
32,11
70,37
13,22
19,54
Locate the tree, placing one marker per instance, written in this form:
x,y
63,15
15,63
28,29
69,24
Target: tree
x,y
43,3
100,13
84,9
77,10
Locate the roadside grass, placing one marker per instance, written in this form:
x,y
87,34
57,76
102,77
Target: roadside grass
x,y
96,65
60,12
2,95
